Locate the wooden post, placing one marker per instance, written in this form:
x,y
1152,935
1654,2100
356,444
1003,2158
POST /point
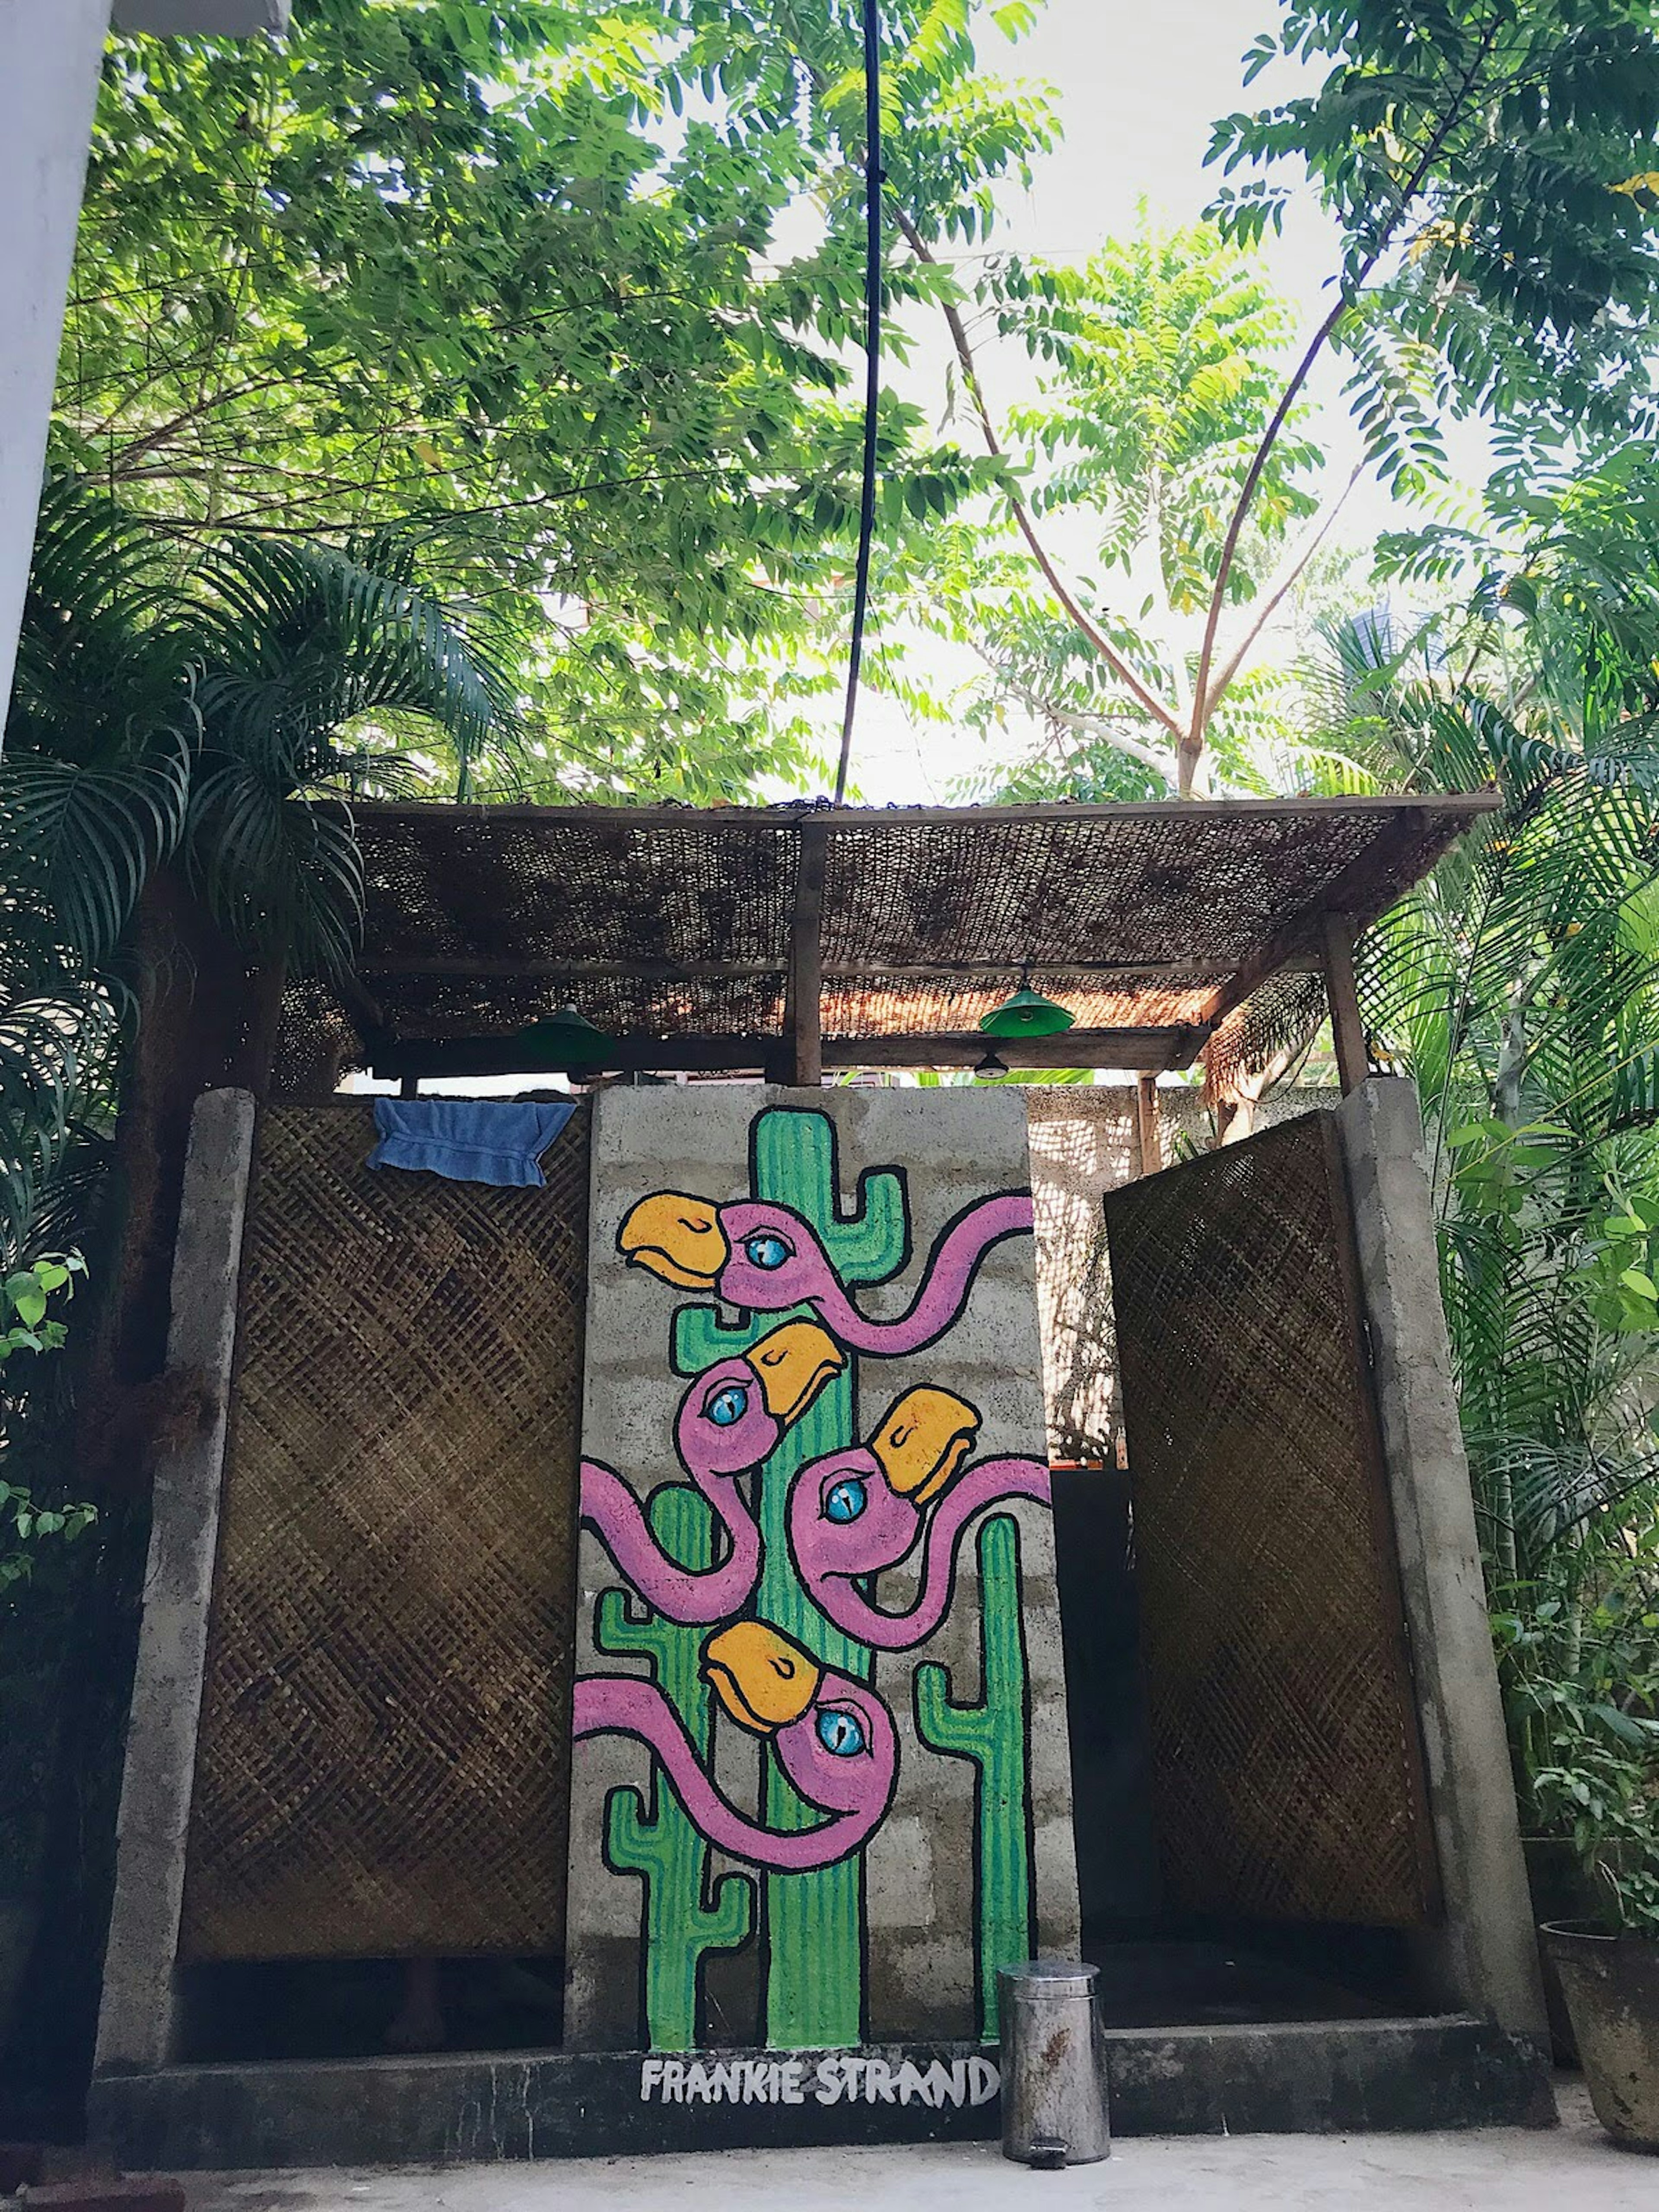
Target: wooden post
x,y
803,1056
1146,1127
1347,1032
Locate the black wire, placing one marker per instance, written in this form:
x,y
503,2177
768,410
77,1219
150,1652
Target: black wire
x,y
872,377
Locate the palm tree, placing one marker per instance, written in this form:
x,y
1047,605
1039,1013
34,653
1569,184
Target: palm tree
x,y
175,793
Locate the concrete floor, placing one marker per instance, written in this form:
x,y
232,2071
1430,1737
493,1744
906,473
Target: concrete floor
x,y
1499,2171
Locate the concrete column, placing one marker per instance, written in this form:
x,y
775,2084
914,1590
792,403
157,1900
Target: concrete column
x,y
1484,1958
136,2022
49,55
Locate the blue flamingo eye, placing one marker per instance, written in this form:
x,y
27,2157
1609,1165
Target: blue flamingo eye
x,y
842,1734
727,1406
845,1500
767,1251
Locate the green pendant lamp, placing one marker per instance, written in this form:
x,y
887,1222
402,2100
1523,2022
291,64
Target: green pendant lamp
x,y
1026,1014
566,1039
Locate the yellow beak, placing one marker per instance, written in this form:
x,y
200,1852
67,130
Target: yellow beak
x,y
923,1441
677,1237
795,1362
763,1681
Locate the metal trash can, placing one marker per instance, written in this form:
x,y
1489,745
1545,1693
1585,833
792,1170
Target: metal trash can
x,y
1053,2064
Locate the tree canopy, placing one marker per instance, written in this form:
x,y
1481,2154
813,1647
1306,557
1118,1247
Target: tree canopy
x,y
566,296
1494,170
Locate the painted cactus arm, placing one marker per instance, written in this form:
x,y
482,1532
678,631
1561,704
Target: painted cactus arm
x,y
795,1159
993,1482
686,1914
994,1735
679,1594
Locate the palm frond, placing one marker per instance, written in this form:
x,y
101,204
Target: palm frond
x,y
86,839
302,640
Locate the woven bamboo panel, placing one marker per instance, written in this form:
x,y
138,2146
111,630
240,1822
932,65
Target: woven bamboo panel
x,y
383,1768
1287,1757
1084,1144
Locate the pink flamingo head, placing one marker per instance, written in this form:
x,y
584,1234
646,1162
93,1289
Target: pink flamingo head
x,y
753,1254
735,1412
776,1261
765,1259
854,1512
835,1738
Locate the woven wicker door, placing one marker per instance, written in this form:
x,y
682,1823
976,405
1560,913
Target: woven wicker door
x,y
383,1763
1287,1766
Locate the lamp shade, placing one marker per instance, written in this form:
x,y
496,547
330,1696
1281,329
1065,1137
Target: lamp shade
x,y
565,1039
1026,1014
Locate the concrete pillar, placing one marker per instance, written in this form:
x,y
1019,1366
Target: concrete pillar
x,y
1484,1957
136,2022
49,56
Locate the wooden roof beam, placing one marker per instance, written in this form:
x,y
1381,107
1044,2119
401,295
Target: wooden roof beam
x,y
723,820
1149,1049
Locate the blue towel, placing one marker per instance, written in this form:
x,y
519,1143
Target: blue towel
x,y
468,1139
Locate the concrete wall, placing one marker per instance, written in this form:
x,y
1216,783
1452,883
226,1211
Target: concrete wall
x,y
889,1942
1483,1956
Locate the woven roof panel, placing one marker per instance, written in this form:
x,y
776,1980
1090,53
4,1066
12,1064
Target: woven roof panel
x,y
451,881
480,919
1166,886
417,1005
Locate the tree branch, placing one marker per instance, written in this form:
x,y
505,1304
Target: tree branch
x,y
1146,699
1155,758
1190,745
1264,611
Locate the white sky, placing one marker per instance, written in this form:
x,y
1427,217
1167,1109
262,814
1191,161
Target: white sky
x,y
1138,89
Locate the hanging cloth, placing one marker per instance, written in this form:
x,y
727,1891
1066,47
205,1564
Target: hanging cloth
x,y
467,1140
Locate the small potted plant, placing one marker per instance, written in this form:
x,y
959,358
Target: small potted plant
x,y
1603,1788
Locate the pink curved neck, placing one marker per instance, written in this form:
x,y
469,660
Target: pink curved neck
x,y
951,1266
617,1518
623,1705
993,1482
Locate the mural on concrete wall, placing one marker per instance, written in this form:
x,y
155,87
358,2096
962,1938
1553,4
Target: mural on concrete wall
x,y
750,1583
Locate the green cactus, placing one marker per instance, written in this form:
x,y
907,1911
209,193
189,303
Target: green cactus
x,y
685,1915
992,1735
815,1977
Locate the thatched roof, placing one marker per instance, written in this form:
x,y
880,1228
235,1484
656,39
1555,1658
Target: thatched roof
x,y
709,929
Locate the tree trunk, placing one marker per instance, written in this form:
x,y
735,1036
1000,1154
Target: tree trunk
x,y
208,1017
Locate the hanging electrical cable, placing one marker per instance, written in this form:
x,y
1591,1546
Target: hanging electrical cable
x,y
873,180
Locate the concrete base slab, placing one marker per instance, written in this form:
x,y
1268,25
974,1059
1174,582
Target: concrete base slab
x,y
1470,2172
1316,2077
